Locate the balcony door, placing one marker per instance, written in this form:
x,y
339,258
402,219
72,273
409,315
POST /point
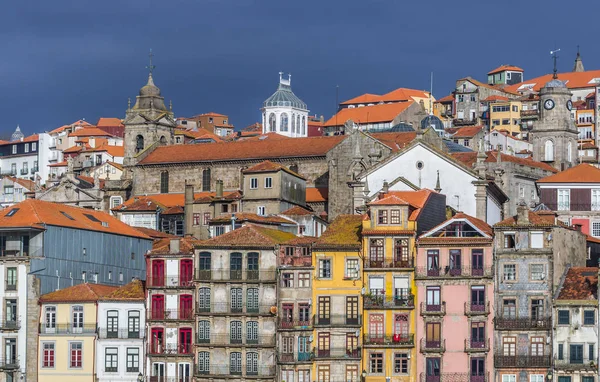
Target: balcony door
x,y
433,335
433,303
185,307
477,369
235,266
324,312
400,328
253,266
185,372
352,310
157,336
186,269
158,272
323,345
432,369
185,340
478,334
478,298
158,306
433,263
477,262
376,331
158,372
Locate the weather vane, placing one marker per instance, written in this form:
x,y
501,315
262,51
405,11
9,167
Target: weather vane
x,y
554,57
150,67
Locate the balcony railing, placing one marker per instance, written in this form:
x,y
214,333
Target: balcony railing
x,y
34,170
521,360
9,363
524,323
295,324
477,309
226,339
433,309
337,353
294,357
104,333
529,113
455,377
170,349
400,340
167,379
68,329
227,308
429,346
24,171
337,319
171,315
204,370
473,345
245,275
388,263
448,272
401,299
10,325
169,282
568,364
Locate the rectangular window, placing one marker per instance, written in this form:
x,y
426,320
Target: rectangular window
x,y
536,272
376,363
564,200
401,363
537,240
304,280
563,378
595,200
395,217
509,378
14,149
268,182
587,379
206,218
537,377
589,317
323,373
325,268
111,359
561,352
196,219
11,278
253,183
260,210
48,354
564,317
34,146
537,346
26,147
510,272
382,216
591,352
509,240
351,373
76,349
509,308
537,309
596,229
287,280
576,354
352,268
133,360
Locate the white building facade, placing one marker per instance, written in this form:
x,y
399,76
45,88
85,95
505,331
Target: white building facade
x,y
284,113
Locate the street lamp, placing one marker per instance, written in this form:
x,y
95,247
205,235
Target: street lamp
x,y
549,375
364,375
140,377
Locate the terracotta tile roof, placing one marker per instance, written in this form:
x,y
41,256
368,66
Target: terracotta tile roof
x,y
249,235
116,165
76,123
344,231
302,240
37,213
470,158
467,132
581,283
114,151
535,219
582,173
446,99
389,200
452,241
163,246
506,67
134,291
363,98
31,138
574,80
109,122
90,132
591,95
592,239
209,197
268,166
416,199
267,148
396,141
400,94
85,292
369,114
59,164
175,210
478,223
494,98
154,233
28,184
297,211
395,232
241,217
150,202
317,194
199,133
75,149
210,114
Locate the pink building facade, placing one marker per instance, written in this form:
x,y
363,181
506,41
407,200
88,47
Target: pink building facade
x,y
455,288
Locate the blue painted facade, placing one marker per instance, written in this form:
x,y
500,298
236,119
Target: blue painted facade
x,y
107,259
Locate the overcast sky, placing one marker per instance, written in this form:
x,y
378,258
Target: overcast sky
x,y
65,60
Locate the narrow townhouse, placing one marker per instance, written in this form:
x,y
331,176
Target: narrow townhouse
x,y
336,293
236,304
455,285
170,310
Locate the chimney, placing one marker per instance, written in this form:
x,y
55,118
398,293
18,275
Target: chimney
x,y
219,186
174,246
385,188
188,209
233,222
522,213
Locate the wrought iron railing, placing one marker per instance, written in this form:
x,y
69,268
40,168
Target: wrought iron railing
x,y
341,353
389,339
433,346
226,274
228,308
295,324
68,329
477,345
171,314
473,308
521,360
105,333
388,263
438,309
451,272
522,323
227,339
170,282
337,319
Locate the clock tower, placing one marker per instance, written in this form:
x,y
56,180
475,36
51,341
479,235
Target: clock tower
x,y
554,135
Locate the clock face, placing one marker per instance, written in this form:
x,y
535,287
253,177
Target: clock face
x,y
570,105
549,104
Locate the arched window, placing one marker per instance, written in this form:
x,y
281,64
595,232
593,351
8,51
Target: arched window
x,y
284,122
163,140
164,182
272,122
303,125
206,179
298,122
139,143
569,151
549,151
293,123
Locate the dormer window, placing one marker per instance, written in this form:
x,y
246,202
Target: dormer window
x,y
382,216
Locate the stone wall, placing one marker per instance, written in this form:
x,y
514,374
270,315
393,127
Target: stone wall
x,y
33,322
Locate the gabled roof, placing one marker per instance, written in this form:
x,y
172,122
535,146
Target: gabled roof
x,y
76,123
259,149
415,199
369,114
85,292
582,173
297,211
536,219
343,232
134,291
268,166
249,235
505,68
397,95
484,229
446,99
495,98
470,158
467,132
581,283
243,217
90,132
389,200
37,214
573,80
397,140
109,122
114,151
209,197
317,194
163,246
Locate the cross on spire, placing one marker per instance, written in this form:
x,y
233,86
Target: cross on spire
x,y
150,67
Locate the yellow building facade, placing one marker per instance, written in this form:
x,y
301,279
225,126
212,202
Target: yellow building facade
x,y
337,302
505,115
389,320
67,333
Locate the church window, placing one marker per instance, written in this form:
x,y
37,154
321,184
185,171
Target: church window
x,y
272,122
294,123
139,143
284,122
163,140
549,151
303,125
206,179
164,182
569,151
298,122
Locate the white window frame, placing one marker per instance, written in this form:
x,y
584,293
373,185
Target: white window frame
x,y
563,202
268,182
253,183
26,147
536,239
595,200
504,273
113,199
261,210
352,271
509,378
596,228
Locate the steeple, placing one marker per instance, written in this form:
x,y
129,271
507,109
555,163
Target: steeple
x,y
578,67
438,187
17,135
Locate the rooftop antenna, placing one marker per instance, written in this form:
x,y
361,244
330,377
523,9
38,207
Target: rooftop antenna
x,y
337,92
431,94
554,57
150,67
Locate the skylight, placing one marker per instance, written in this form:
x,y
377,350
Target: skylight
x,y
11,212
67,215
92,218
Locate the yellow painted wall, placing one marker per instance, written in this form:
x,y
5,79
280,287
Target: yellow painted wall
x,y
511,115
